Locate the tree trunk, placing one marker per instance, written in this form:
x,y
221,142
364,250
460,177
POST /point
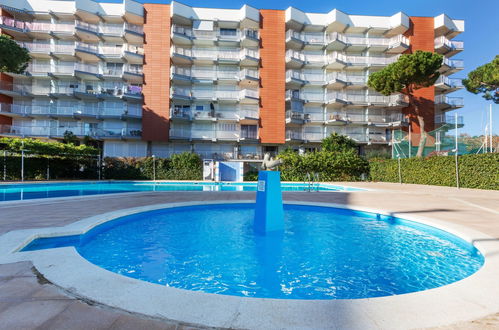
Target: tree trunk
x,y
422,138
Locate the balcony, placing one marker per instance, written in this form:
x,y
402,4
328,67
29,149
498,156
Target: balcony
x,y
14,110
39,50
64,52
203,56
294,59
87,52
341,42
180,114
451,66
295,117
134,34
313,136
133,73
449,121
293,95
445,84
336,119
294,135
87,32
294,79
446,103
339,61
448,47
200,134
15,90
86,71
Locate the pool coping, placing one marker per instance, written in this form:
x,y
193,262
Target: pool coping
x,y
468,299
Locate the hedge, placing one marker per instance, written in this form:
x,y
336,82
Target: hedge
x,y
475,171
60,168
184,166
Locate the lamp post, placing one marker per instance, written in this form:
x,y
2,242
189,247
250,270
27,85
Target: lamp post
x,y
154,167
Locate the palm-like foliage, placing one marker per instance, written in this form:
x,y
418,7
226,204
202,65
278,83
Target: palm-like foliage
x,y
485,80
409,73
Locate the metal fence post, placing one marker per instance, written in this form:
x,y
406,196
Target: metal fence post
x,y
99,166
48,169
22,165
400,170
457,151
5,165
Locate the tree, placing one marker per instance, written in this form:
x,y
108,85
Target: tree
x,y
336,142
70,138
485,80
13,58
409,73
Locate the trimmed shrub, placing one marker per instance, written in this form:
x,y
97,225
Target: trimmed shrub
x,y
475,171
184,166
344,165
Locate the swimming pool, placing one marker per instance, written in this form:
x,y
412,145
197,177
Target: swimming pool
x,y
324,253
13,192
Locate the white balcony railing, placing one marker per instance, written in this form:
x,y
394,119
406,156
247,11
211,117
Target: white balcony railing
x,y
450,44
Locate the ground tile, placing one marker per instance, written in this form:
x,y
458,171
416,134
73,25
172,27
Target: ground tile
x,y
31,314
131,322
81,316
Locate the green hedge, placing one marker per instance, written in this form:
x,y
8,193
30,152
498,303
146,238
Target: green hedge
x,y
184,166
59,168
331,166
475,171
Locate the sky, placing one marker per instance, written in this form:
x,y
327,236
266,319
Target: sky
x,y
481,36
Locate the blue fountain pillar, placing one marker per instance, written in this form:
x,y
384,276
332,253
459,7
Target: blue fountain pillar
x,y
269,212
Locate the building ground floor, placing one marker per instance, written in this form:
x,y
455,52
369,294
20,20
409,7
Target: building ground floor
x,y
224,150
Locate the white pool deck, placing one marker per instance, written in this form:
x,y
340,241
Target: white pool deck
x,y
470,214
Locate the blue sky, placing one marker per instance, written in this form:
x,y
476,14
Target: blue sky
x,y
481,36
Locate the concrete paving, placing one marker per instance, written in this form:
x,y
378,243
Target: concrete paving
x,y
27,301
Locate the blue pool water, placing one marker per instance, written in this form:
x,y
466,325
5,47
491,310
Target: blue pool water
x,y
12,192
324,253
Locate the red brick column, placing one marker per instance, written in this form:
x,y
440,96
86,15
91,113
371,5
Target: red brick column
x,y
8,79
156,108
272,76
421,35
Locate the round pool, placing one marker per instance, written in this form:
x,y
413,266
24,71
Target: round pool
x,y
324,252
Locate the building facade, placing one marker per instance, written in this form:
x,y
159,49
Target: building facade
x,y
157,79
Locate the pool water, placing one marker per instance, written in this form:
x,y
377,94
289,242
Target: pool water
x,y
324,253
12,192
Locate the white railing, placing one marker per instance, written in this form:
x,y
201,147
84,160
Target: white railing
x,y
116,29
229,135
135,69
451,44
294,135
294,115
448,119
453,63
367,41
451,82
110,50
314,116
313,136
87,26
452,101
64,48
18,88
87,47
293,54
361,60
202,134
134,28
36,46
87,68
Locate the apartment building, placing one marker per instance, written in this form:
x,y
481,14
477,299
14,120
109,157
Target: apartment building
x,y
157,79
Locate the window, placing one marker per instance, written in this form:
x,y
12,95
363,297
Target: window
x,y
228,32
199,107
249,131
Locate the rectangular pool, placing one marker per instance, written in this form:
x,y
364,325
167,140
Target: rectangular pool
x,y
14,192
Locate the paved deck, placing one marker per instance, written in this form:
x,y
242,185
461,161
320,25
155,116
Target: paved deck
x,y
27,301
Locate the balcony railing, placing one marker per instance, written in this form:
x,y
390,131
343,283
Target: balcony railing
x,y
361,60
87,47
294,115
448,119
453,63
451,44
134,28
12,87
87,26
86,68
452,101
367,41
313,136
451,82
294,135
